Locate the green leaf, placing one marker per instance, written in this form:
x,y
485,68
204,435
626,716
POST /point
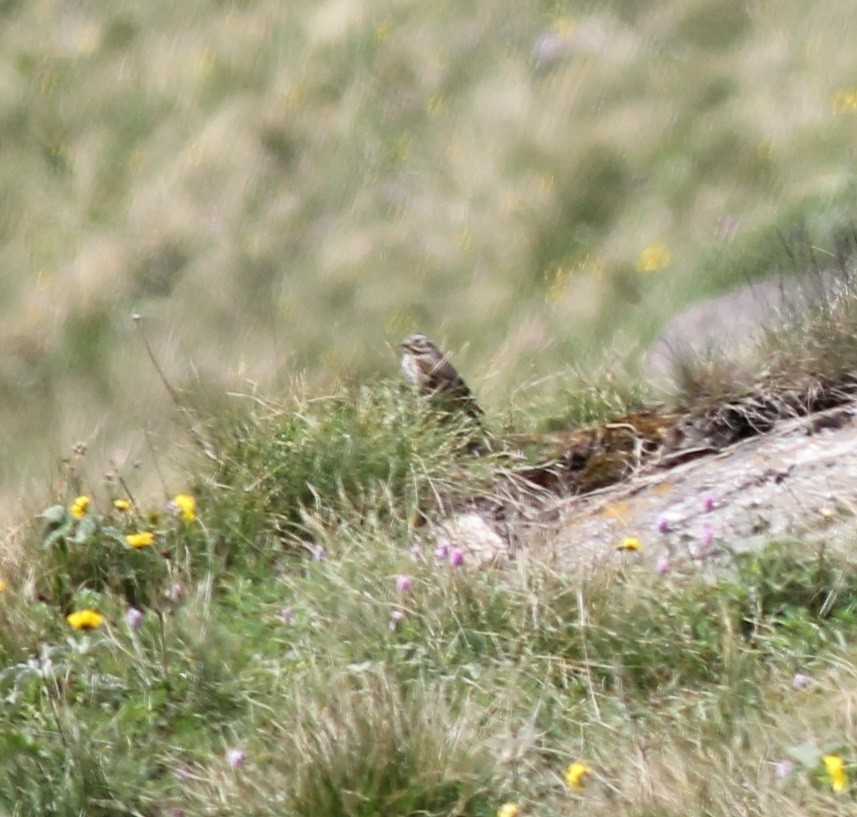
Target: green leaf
x,y
807,754
85,529
57,535
55,515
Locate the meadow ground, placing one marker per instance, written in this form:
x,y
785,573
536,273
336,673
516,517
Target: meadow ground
x,y
286,639
280,190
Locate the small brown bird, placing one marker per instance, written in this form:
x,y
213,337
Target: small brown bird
x,y
427,369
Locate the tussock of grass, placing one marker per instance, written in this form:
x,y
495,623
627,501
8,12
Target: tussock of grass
x,y
375,452
372,748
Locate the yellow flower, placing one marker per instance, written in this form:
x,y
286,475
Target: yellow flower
x,y
3,586
629,543
653,258
187,506
85,619
844,101
140,540
575,773
78,508
508,810
836,770
121,504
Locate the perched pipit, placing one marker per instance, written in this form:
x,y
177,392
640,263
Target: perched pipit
x,y
427,369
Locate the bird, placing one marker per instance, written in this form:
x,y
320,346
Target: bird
x,y
431,374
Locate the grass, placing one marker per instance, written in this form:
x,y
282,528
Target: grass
x,y
287,189
280,664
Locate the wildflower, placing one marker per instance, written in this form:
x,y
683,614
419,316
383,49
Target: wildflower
x,y
403,583
318,553
663,565
416,554
134,617
121,504
79,506
186,506
783,768
654,258
456,557
629,543
176,592
443,548
801,681
508,810
708,503
140,540
574,775
3,586
85,619
664,523
836,771
844,101
707,535
235,758
286,615
396,618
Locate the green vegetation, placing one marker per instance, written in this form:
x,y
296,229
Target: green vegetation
x,y
282,188
289,641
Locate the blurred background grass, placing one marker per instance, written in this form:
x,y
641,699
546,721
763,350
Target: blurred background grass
x,y
287,188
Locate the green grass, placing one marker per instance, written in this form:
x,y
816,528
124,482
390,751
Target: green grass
x,y
282,189
348,696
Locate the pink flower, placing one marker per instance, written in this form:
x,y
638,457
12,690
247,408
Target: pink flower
x,y
235,758
416,554
664,523
403,583
396,617
801,681
134,617
176,592
663,565
318,553
443,548
783,768
456,557
286,615
708,503
707,535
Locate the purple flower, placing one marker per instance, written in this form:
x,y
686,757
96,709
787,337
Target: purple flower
x,y
707,535
443,548
286,615
456,557
663,565
664,523
235,758
416,554
134,617
318,553
403,583
801,681
176,592
708,503
783,768
396,617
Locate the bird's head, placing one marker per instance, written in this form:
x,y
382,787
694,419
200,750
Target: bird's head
x,y
417,344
